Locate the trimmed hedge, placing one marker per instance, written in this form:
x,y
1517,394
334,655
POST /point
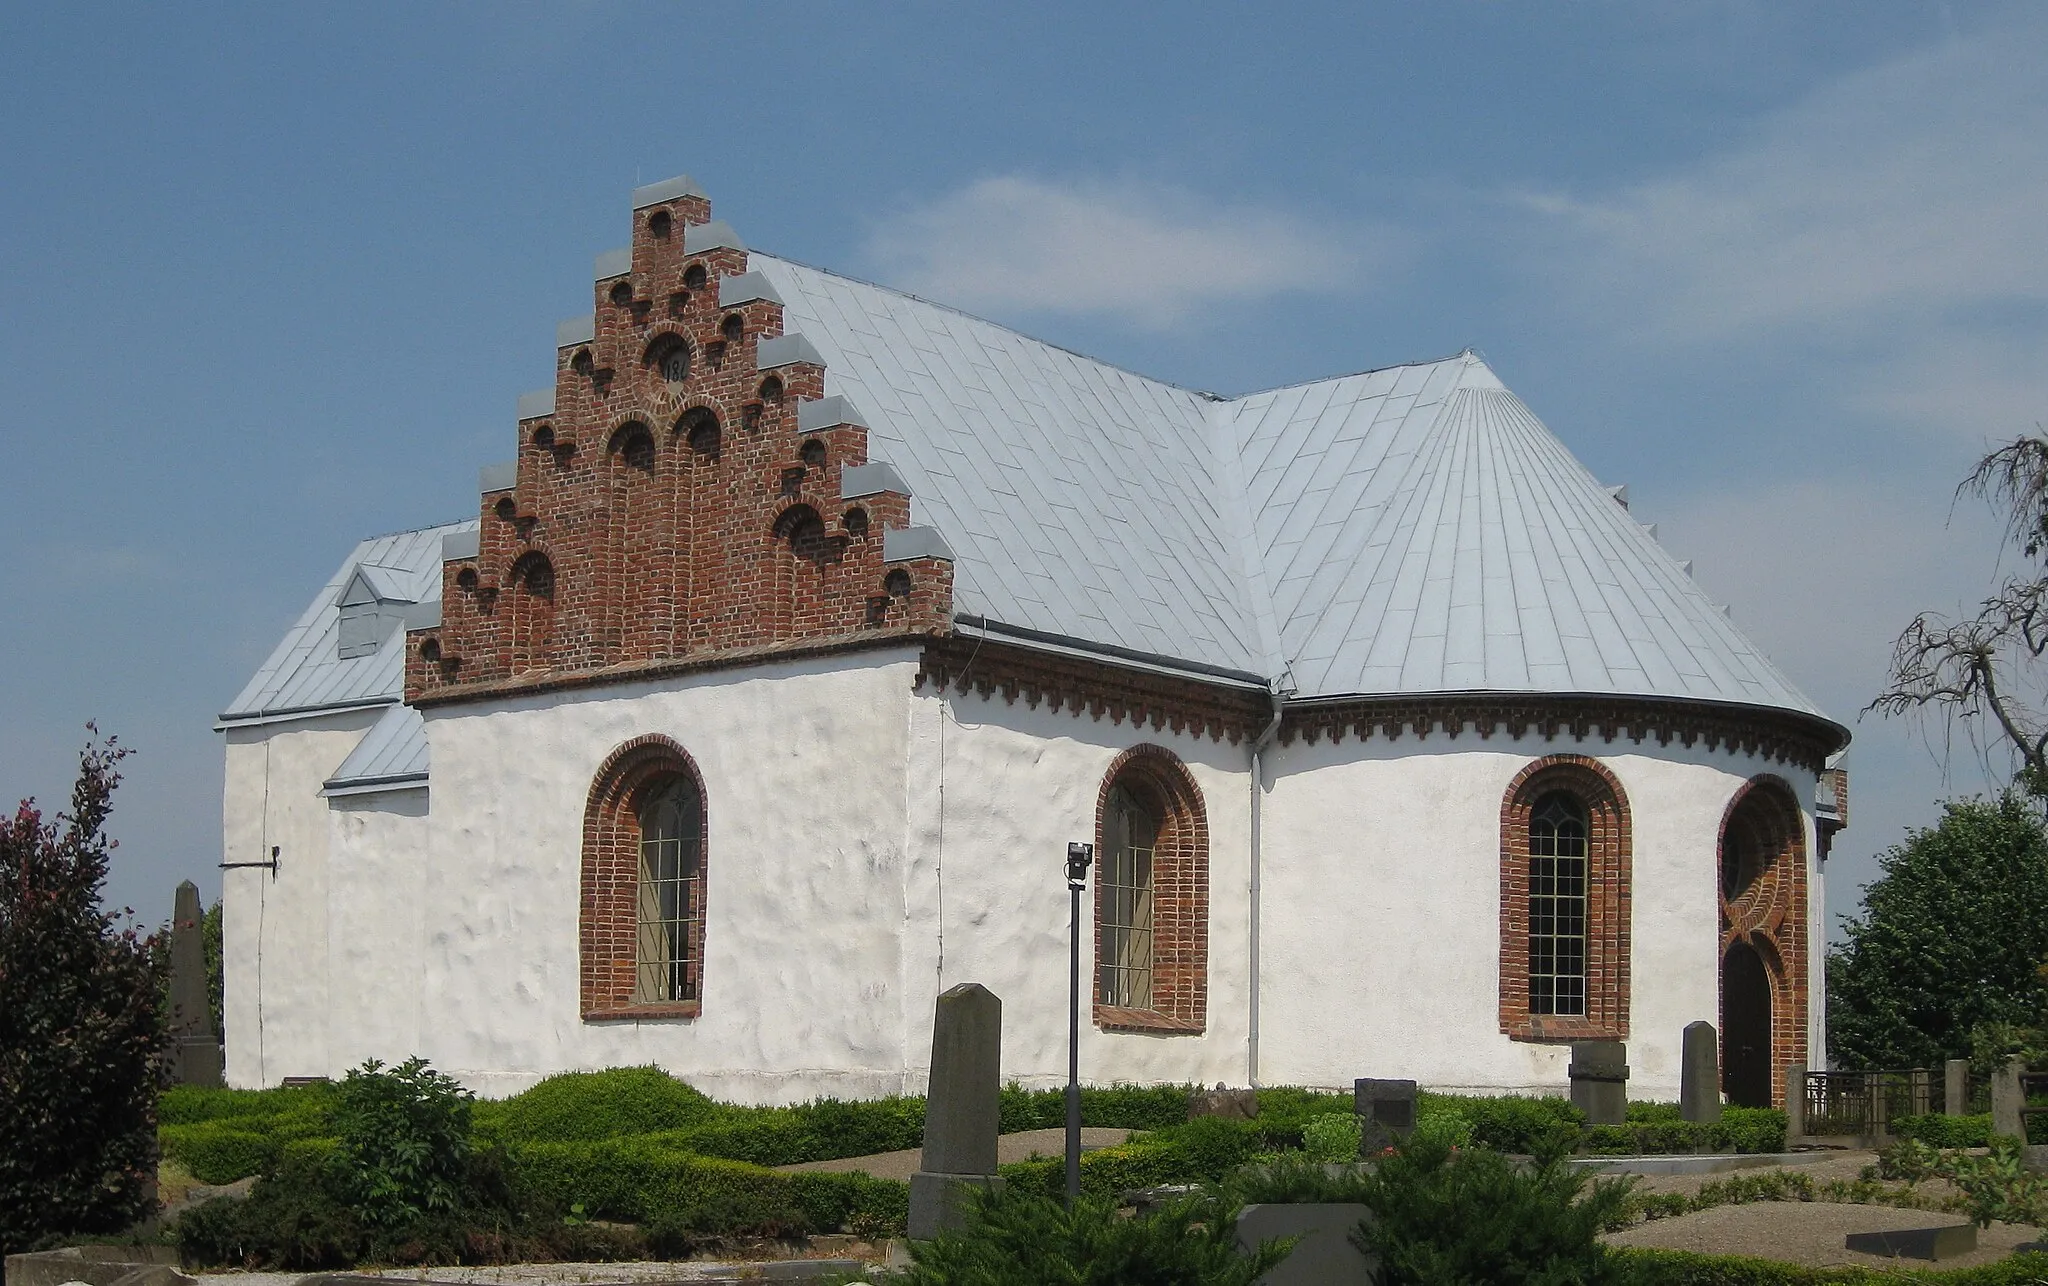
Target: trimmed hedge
x,y
671,1192
1740,1129
588,1106
189,1104
1203,1150
1684,1268
219,1151
1938,1131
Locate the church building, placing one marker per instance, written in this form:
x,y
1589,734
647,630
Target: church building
x,y
762,695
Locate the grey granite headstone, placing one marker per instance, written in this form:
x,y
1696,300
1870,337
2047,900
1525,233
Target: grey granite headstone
x,y
1955,1087
2007,1100
1599,1076
1386,1111
196,1052
962,1112
1699,1076
1944,1241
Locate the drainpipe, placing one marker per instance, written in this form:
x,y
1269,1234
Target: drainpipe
x,y
1265,739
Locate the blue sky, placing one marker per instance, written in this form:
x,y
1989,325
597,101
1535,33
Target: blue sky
x,y
271,278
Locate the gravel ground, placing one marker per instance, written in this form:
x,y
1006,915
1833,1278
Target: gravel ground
x,y
1809,1232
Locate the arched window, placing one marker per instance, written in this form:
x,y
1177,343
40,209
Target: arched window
x,y
1557,905
642,928
670,943
1764,985
1564,902
1151,896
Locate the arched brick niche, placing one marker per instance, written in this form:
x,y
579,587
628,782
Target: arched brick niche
x,y
1564,849
1763,910
645,858
1151,896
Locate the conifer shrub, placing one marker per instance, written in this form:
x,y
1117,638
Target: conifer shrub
x,y
1474,1215
1028,1239
82,1038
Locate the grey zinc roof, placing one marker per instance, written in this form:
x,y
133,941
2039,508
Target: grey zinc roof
x,y
1403,531
305,671
392,754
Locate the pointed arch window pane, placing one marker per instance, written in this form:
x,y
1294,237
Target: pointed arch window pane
x,y
671,899
1557,905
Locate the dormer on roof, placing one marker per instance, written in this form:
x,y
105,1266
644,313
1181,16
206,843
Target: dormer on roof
x,y
372,604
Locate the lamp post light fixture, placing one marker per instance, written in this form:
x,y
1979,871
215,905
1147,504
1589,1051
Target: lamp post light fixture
x,y
1079,858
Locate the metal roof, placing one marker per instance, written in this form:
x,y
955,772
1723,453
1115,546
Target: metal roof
x,y
305,672
391,756
1405,531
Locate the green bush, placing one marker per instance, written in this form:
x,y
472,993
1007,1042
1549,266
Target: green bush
x,y
1333,1136
1127,1107
190,1104
1023,1239
594,1105
1474,1215
1936,1130
693,1197
1740,1129
404,1137
1511,1122
1446,1124
218,1151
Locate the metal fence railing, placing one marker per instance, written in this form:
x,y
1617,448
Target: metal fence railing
x,y
1865,1103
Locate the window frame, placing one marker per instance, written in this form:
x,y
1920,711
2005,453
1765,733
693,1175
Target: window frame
x,y
609,920
1607,906
1179,986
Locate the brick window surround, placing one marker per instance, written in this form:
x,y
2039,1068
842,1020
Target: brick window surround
x,y
1608,849
1156,778
608,922
1764,834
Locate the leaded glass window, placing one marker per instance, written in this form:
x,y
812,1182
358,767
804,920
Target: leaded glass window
x,y
1557,905
670,954
1130,836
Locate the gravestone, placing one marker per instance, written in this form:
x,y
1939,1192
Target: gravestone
x,y
962,1112
1599,1076
1699,1075
1955,1087
1386,1111
1231,1105
2007,1100
1324,1255
196,1054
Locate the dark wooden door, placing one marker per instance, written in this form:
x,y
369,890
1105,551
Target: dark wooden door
x,y
1745,1028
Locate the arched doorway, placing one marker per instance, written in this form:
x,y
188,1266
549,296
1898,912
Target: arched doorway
x,y
1745,1027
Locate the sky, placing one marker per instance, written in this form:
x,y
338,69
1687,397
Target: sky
x,y
271,278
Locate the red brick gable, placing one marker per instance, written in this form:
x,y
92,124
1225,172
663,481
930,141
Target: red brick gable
x,y
669,509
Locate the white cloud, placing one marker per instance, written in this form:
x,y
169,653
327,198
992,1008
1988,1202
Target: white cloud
x,y
1150,253
1917,187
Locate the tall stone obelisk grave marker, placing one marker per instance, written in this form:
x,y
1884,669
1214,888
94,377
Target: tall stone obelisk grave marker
x,y
963,1108
196,1053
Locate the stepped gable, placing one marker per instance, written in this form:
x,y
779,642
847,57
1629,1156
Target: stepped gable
x,y
686,494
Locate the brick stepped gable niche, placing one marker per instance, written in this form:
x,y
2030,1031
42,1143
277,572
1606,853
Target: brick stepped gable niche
x,y
670,510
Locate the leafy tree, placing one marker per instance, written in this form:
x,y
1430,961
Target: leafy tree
x,y
1951,936
81,1039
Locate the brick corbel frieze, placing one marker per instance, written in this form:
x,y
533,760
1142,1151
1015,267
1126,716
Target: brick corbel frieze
x,y
1099,689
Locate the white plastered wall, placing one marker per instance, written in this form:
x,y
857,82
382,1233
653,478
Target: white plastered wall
x,y
1381,938
274,926
998,789
803,770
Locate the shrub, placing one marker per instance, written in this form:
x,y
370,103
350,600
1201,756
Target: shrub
x,y
1684,1268
1474,1215
218,1152
1021,1239
1511,1122
1332,1136
1291,1177
1448,1125
82,1040
1940,1131
404,1138
1127,1107
191,1104
595,1105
